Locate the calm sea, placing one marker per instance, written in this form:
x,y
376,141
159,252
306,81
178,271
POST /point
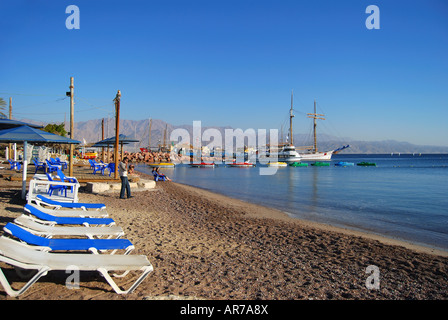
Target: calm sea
x,y
404,197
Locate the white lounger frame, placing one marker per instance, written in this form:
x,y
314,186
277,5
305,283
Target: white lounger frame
x,y
18,255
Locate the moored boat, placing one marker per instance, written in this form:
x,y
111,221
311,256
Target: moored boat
x,y
366,164
288,152
241,165
202,165
298,164
316,155
344,164
320,164
277,164
162,164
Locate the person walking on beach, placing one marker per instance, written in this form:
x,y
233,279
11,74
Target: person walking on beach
x,y
124,179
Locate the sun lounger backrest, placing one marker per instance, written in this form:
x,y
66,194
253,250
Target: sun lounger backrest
x,y
71,204
66,220
66,244
26,236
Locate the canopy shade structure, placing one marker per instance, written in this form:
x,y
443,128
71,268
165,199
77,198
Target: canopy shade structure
x,y
27,134
122,139
9,123
110,142
33,135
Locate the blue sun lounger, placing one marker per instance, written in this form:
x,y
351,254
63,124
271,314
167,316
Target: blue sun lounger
x,y
67,220
73,205
68,244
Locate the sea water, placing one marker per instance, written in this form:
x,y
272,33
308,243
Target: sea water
x,y
403,197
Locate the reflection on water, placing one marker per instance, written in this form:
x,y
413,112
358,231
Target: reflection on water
x,y
403,196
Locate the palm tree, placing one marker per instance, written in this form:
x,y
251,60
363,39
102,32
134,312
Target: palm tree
x,y
2,107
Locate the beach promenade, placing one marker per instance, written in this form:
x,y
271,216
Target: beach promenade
x,y
207,246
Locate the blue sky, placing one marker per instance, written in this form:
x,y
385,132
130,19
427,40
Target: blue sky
x,y
228,62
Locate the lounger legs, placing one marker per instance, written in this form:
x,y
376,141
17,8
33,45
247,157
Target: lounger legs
x,y
112,283
44,270
14,293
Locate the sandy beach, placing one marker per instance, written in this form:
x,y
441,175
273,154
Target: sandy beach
x,y
208,246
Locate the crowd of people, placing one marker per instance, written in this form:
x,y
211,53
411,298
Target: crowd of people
x,y
139,157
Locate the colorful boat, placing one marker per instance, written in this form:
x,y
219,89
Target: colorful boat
x,y
320,164
90,155
366,164
202,165
298,164
344,164
277,164
241,165
162,164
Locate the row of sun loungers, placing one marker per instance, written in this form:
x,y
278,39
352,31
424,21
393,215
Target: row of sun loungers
x,y
53,235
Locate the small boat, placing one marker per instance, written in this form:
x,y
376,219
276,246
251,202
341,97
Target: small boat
x,y
202,165
366,164
277,164
162,165
320,164
298,164
241,165
344,164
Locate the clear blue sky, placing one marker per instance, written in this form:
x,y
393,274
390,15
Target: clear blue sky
x,y
234,62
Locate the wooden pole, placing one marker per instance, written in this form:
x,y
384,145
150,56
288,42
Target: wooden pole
x,y
117,131
164,138
102,138
10,118
25,166
149,145
72,127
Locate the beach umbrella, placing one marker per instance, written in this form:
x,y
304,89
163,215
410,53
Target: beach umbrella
x,y
27,134
122,139
9,123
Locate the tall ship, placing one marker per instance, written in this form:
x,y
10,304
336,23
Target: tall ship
x,y
289,152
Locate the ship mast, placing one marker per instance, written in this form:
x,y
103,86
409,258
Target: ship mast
x,y
290,122
315,116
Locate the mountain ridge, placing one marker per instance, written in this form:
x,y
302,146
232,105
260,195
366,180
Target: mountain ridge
x,y
91,132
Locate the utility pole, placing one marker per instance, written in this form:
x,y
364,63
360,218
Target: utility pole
x,y
117,130
10,118
164,137
149,145
72,127
102,138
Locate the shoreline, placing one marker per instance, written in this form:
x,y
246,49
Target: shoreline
x,y
205,245
272,213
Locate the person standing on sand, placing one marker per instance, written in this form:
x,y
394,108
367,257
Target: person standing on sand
x,y
123,166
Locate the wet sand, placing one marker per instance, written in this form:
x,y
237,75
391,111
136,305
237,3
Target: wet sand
x,y
208,246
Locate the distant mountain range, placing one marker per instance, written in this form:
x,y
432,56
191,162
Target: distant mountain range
x,y
91,132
